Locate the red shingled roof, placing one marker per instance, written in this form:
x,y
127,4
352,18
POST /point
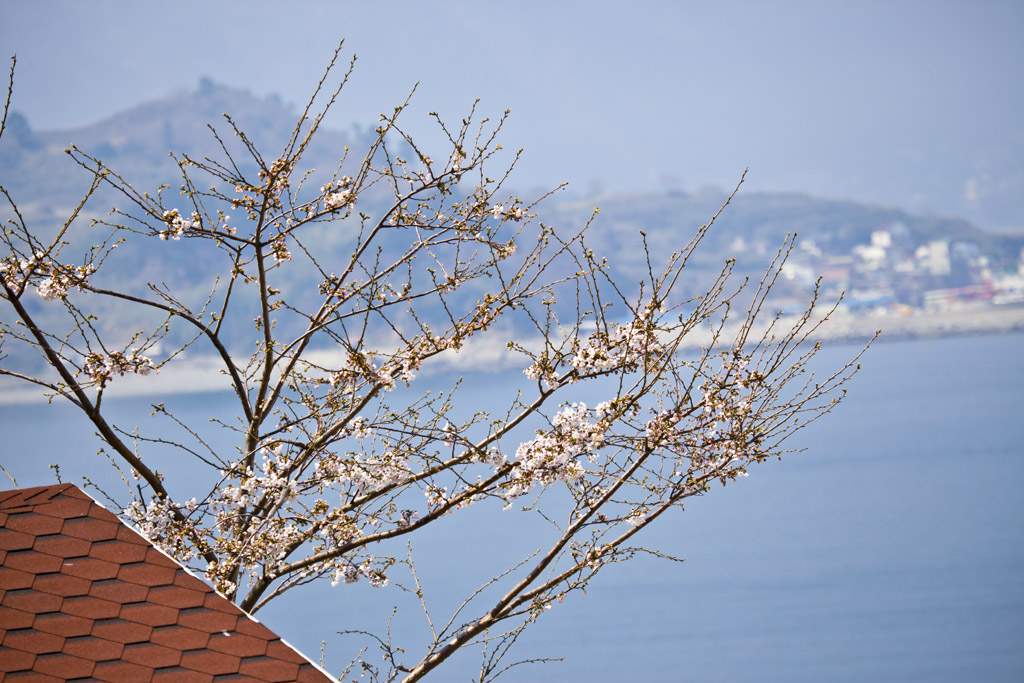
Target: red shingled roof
x,y
85,598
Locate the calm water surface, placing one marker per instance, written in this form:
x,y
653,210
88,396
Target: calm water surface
x,y
892,550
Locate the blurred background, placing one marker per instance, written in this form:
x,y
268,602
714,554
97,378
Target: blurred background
x,y
890,133
908,104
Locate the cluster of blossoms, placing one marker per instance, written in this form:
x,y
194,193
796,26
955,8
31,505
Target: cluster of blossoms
x,y
362,472
59,279
503,251
268,539
350,573
101,368
720,437
161,522
410,362
436,496
333,286
217,574
552,455
625,347
359,429
340,195
541,370
177,226
362,368
457,158
727,397
408,518
270,480
280,250
511,213
483,315
366,473
247,201
278,177
636,517
13,272
451,284
223,225
492,456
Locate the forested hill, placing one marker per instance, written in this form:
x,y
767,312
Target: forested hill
x,y
136,143
755,224
46,183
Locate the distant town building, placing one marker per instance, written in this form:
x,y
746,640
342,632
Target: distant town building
x,y
934,257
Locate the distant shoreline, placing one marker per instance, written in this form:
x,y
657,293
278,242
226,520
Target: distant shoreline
x,y
846,328
203,374
966,319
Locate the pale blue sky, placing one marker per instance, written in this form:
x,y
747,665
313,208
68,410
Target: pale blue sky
x,y
901,103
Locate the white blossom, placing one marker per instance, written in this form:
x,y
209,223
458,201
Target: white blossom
x,y
637,517
102,368
177,226
338,200
551,455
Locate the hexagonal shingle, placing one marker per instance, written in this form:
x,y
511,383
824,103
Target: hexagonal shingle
x,y
64,507
82,596
11,619
62,665
149,614
176,674
118,551
36,525
121,631
90,568
126,535
91,607
96,649
176,596
15,540
65,625
118,591
237,644
269,669
156,557
210,662
32,562
202,617
62,546
146,574
90,529
186,580
122,672
18,661
151,654
180,636
251,627
61,584
13,579
30,640
219,604
29,600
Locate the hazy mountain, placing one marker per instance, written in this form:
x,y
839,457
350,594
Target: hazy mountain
x,y
754,225
46,183
137,143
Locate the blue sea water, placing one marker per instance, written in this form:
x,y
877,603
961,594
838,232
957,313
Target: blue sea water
x,y
891,550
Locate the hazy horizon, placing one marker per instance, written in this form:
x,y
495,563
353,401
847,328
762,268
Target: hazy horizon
x,y
914,105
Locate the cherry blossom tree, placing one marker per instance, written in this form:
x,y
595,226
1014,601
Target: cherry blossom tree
x,y
339,460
